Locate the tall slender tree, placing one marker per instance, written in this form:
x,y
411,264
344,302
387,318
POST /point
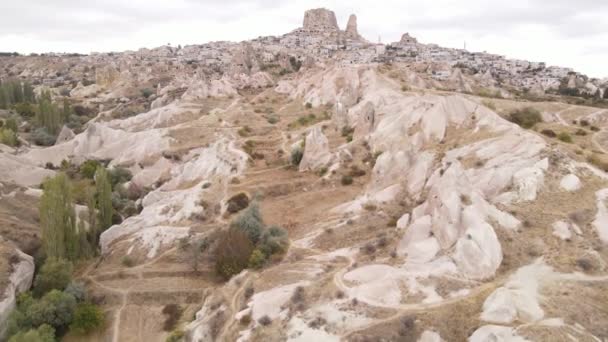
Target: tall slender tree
x,y
104,198
93,232
58,219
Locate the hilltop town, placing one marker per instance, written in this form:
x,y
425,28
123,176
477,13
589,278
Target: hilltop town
x,y
320,40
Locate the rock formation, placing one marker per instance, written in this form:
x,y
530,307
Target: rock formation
x,y
316,151
20,276
320,20
351,28
66,134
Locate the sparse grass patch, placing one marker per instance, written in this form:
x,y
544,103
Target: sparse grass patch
x,y
489,104
565,137
127,261
245,131
598,162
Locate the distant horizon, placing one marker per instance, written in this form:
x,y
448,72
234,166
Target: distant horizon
x,y
517,30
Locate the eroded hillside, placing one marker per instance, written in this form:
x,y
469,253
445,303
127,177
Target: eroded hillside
x,y
392,207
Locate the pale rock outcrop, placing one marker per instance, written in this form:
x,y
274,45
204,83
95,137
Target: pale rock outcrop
x,y
316,151
351,28
564,229
106,75
257,80
101,142
570,183
284,87
529,180
20,280
168,211
66,134
200,329
365,121
601,219
496,333
22,171
203,89
80,91
518,298
430,336
244,60
334,85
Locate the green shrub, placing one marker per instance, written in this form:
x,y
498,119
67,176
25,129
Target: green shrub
x,y
526,117
77,290
250,222
127,261
257,259
147,92
55,308
274,241
549,132
172,313
244,131
87,318
237,203
581,132
346,180
11,124
119,175
55,274
26,110
176,336
44,333
42,137
8,137
88,168
232,253
296,156
565,137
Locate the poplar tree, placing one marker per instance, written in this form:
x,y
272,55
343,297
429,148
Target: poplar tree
x,y
104,198
58,219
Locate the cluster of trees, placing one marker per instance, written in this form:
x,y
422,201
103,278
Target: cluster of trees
x,y
56,305
64,236
14,91
46,117
248,243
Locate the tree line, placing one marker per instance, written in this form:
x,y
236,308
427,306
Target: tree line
x,y
57,304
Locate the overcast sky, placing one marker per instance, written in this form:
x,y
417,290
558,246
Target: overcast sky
x,y
559,32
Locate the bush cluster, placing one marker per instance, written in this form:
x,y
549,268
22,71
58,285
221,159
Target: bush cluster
x,y
56,305
526,117
248,243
